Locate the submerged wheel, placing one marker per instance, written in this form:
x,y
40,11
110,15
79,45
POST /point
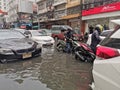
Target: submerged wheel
x,y
59,48
76,57
80,56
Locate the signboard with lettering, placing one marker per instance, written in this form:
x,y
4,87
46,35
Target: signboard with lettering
x,y
102,9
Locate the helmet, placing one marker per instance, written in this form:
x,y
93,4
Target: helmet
x,y
69,29
100,27
63,29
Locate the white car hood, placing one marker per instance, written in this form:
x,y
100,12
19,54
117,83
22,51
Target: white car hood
x,y
42,38
106,74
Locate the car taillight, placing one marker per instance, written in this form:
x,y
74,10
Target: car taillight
x,y
106,52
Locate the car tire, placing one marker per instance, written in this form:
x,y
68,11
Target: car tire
x,y
76,57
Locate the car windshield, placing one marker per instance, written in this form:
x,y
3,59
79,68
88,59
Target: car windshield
x,y
113,40
76,31
46,30
106,33
10,35
38,33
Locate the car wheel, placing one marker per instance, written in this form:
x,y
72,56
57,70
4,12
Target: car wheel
x,y
76,57
59,48
3,60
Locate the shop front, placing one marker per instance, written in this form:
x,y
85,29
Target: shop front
x,y
101,15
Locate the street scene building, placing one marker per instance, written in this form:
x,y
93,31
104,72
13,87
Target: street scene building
x,y
59,44
3,9
100,12
61,12
3,5
19,12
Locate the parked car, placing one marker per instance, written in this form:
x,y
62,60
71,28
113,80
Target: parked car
x,y
47,31
40,37
106,74
56,30
103,35
106,68
14,46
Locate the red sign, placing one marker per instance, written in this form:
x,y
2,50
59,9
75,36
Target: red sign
x,y
102,9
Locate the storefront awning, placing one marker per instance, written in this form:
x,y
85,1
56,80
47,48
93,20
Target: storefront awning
x,y
71,16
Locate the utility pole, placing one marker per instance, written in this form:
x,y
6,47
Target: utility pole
x,y
80,17
37,15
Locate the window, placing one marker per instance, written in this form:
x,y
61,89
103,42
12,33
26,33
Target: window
x,y
113,40
73,10
95,3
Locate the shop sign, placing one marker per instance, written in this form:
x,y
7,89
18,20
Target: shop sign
x,y
102,9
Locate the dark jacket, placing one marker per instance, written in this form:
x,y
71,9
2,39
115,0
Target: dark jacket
x,y
95,39
68,36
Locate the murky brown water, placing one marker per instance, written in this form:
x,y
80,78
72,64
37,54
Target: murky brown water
x,y
52,71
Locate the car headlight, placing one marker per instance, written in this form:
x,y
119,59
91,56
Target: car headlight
x,y
6,51
39,46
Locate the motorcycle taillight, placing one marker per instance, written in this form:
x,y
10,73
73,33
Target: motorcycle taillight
x,y
106,52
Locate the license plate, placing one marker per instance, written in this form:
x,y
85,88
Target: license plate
x,y
26,55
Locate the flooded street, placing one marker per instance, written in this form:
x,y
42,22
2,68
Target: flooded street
x,y
51,71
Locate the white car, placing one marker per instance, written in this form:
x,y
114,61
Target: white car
x,y
106,67
41,37
106,74
48,31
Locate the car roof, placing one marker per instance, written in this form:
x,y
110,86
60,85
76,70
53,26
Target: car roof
x,y
107,30
8,30
116,21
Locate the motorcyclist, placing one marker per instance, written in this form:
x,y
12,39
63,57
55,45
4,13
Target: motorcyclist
x,y
95,39
62,38
68,37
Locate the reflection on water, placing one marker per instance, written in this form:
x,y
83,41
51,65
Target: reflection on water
x,y
51,71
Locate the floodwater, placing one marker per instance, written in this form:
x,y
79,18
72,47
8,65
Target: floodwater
x,y
51,71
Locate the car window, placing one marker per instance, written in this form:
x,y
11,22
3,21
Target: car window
x,y
38,33
77,31
55,28
11,34
106,33
113,40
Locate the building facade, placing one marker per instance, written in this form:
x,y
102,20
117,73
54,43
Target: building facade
x,y
12,9
42,10
73,13
60,12
3,13
3,4
100,12
19,11
59,9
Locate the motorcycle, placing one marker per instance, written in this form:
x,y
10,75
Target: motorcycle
x,y
61,45
84,53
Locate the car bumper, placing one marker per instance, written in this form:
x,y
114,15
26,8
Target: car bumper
x,y
12,57
47,43
106,74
